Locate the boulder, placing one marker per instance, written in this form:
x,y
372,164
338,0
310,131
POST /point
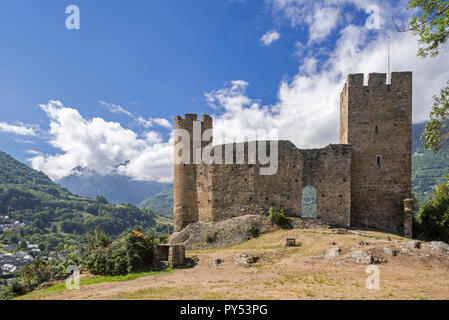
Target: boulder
x,y
361,256
245,259
436,246
414,244
332,253
390,251
216,262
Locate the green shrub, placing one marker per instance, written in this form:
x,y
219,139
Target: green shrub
x,y
209,236
277,217
253,232
130,252
432,222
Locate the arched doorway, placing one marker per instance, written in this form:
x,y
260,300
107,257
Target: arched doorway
x,y
309,208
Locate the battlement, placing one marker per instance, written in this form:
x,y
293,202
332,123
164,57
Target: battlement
x,y
376,80
194,117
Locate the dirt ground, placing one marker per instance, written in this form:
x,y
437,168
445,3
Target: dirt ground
x,y
288,273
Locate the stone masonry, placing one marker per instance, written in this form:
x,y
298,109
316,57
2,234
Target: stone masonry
x,y
361,181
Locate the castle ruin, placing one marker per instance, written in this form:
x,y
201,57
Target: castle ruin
x,y
361,181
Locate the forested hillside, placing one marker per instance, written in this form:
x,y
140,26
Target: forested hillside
x,y
52,215
429,169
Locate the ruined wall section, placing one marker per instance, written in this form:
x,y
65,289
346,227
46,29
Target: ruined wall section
x,y
376,120
328,170
238,189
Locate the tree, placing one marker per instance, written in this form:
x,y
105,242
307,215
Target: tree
x,y
433,218
431,24
436,133
54,228
102,199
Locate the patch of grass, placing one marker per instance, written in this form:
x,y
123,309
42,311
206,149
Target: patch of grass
x,y
209,236
90,280
253,232
309,293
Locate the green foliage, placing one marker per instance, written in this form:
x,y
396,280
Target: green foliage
x,y
56,218
161,203
130,252
102,200
431,24
436,134
433,218
253,232
428,168
209,236
277,217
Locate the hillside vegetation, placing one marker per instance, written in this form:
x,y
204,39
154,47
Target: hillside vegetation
x,y
53,216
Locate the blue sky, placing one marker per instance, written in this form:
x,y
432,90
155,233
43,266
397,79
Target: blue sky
x,y
156,59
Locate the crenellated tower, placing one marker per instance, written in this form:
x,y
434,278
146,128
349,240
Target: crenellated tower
x,y
377,121
188,147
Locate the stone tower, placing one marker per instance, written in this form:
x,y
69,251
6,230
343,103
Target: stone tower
x,y
377,120
188,133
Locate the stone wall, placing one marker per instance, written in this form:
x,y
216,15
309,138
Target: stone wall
x,y
230,191
377,121
361,181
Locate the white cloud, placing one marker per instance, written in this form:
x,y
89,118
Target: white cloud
x,y
115,108
321,17
307,110
148,123
20,129
101,145
323,22
270,37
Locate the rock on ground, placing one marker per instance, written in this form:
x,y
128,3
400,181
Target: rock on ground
x,y
414,244
245,259
390,251
361,256
332,253
437,246
222,234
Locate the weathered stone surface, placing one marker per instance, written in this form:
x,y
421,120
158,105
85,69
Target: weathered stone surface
x,y
225,233
414,244
231,232
436,246
390,251
377,121
360,256
332,253
364,243
245,259
216,262
172,255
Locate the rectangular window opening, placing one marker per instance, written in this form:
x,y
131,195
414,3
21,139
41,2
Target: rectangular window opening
x,y
379,160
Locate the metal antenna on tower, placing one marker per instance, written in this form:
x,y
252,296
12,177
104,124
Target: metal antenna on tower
x,y
388,59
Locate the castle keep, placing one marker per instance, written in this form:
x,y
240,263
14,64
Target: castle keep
x,y
361,181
